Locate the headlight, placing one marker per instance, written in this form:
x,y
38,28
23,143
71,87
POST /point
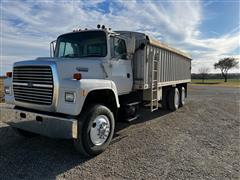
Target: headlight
x,y
7,90
69,96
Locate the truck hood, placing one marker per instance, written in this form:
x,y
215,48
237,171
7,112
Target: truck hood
x,y
90,68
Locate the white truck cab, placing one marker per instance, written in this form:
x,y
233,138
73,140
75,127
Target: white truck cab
x,y
93,78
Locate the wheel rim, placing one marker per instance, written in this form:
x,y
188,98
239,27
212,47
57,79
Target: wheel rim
x,y
176,98
100,130
183,96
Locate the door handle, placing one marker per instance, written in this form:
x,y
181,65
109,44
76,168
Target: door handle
x,y
128,75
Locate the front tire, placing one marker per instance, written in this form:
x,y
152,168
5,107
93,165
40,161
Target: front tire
x,y
96,130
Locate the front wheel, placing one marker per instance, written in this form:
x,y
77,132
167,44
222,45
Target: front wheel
x,y
96,131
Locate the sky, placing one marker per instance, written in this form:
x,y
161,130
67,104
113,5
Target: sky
x,y
208,30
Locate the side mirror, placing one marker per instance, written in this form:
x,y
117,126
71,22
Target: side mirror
x,y
52,48
142,46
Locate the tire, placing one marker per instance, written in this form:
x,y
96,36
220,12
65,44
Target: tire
x,y
97,119
182,96
173,99
24,133
164,101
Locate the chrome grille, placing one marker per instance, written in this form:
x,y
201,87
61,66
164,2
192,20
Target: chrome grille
x,y
33,84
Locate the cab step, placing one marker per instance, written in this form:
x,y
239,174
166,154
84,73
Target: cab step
x,y
130,111
133,118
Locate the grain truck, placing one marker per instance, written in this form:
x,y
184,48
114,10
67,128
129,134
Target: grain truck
x,y
93,78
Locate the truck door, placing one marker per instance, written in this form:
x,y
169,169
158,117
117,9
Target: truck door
x,y
121,66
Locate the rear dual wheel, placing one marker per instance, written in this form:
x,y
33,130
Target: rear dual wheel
x,y
173,99
182,96
176,98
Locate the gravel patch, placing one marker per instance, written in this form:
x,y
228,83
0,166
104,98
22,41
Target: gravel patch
x,y
199,141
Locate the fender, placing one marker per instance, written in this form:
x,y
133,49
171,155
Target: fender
x,y
82,88
98,84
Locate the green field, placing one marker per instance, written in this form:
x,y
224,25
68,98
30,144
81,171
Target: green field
x,y
216,82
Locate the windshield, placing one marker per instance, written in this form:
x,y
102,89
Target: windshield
x,y
82,44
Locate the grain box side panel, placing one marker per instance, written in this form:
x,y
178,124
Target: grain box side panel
x,y
172,67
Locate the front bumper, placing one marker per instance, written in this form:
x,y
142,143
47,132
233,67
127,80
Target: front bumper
x,y
47,125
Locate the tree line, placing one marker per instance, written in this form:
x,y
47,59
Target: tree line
x,y
224,65
215,76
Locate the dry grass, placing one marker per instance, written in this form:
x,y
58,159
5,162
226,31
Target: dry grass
x,y
217,82
1,90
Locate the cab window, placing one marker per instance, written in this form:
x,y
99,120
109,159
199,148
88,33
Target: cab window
x,y
82,44
119,50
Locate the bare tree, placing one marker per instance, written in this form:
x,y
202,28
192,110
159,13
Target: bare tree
x,y
203,71
225,64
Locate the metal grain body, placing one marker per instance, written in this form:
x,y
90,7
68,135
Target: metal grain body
x,y
173,68
174,65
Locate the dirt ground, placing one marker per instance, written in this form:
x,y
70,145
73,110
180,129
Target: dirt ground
x,y
199,141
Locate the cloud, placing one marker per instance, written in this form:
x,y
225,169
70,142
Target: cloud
x,y
29,26
209,51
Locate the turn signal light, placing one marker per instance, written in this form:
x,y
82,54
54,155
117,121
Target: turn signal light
x,y
9,74
77,76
